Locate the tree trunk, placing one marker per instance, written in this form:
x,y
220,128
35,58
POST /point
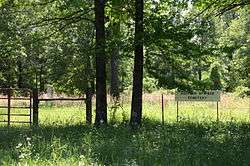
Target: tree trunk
x,y
101,95
41,80
89,90
199,74
114,64
114,87
20,74
136,107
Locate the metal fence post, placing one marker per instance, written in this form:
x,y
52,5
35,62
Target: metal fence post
x,y
177,112
162,108
217,108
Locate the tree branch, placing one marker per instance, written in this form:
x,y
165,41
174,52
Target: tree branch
x,y
56,31
233,6
56,20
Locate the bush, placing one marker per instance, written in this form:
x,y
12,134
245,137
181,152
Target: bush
x,y
149,84
215,78
242,91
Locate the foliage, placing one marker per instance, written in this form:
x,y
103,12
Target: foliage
x,y
149,84
215,78
53,43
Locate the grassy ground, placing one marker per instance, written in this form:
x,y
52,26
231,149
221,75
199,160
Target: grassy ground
x,y
64,139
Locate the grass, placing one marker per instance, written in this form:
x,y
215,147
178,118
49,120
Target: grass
x,y
64,139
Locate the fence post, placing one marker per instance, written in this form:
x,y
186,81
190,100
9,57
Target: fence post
x,y
162,108
31,97
35,107
217,109
88,102
177,112
9,104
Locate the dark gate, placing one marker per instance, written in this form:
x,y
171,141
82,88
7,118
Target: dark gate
x,y
8,98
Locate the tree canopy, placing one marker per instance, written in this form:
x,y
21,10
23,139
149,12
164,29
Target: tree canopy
x,y
184,45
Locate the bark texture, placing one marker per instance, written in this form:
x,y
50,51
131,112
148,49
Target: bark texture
x,y
114,65
136,107
101,95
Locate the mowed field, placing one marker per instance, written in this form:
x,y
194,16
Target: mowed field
x,y
63,138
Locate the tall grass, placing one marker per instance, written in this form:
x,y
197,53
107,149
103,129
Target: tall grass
x,y
152,144
64,139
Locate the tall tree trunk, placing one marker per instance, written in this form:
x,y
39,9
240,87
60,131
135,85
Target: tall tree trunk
x,y
136,107
199,74
101,95
114,65
230,83
41,80
199,69
20,74
89,91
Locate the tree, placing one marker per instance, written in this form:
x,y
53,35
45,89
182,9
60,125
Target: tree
x,y
101,95
215,78
233,38
114,62
136,105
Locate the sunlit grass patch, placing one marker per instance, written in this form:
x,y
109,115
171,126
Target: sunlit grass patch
x,y
152,144
197,139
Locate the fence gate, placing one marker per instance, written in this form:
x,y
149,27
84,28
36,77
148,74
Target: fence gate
x,y
8,106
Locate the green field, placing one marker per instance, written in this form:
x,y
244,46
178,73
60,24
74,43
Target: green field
x,y
64,139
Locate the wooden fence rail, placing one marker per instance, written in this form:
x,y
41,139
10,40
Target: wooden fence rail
x,y
9,97
36,102
33,105
63,99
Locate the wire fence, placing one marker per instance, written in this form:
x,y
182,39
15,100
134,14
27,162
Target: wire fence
x,y
231,108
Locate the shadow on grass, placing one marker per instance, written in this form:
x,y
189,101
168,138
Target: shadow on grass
x,y
173,144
